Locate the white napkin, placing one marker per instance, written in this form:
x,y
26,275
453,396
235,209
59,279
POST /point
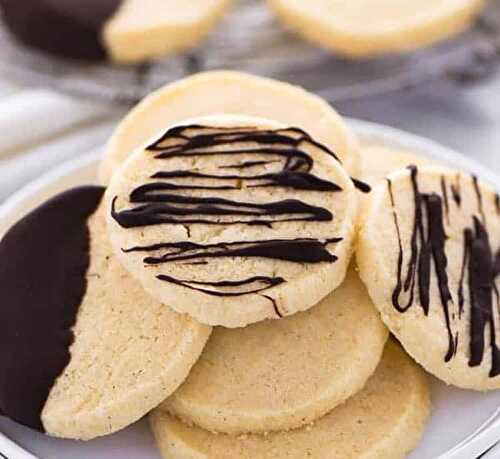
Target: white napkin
x,y
31,116
17,171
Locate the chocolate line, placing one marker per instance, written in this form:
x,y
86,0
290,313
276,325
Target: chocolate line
x,y
482,276
456,192
436,245
479,198
397,291
426,247
361,186
267,283
284,179
43,264
497,203
165,208
275,306
293,250
444,192
465,261
219,136
248,164
479,265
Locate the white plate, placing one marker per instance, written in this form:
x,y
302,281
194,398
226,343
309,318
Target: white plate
x,y
463,425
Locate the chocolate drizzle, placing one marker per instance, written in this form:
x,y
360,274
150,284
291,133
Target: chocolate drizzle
x,y
479,198
480,268
67,28
482,273
43,263
256,284
293,250
456,191
289,137
177,209
444,191
361,186
282,179
164,199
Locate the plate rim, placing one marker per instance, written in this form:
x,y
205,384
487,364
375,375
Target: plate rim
x,y
484,436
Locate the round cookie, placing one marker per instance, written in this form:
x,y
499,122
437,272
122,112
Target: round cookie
x,y
429,255
230,218
230,92
83,350
281,374
125,31
379,161
384,421
365,28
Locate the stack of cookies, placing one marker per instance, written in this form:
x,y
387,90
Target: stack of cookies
x,y
238,276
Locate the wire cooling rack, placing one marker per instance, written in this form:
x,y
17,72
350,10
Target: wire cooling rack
x,y
250,39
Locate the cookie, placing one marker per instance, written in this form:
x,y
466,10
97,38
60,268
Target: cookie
x,y
366,28
429,254
384,421
230,93
144,30
281,374
230,219
83,350
121,30
379,161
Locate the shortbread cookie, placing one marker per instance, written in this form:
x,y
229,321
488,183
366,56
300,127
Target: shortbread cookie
x,y
364,28
230,93
83,350
379,161
148,29
123,30
281,374
231,219
384,421
429,255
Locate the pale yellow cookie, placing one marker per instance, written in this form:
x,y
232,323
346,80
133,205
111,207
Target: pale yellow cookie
x,y
428,252
385,420
364,28
230,93
278,375
130,351
84,350
147,29
231,219
378,161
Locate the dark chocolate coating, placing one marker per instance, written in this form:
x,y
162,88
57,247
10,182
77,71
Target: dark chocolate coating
x,y
65,28
43,264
